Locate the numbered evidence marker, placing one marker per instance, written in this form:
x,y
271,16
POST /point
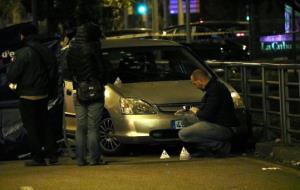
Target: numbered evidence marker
x,y
184,154
164,155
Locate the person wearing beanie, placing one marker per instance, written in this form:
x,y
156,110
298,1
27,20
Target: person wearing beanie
x,y
85,63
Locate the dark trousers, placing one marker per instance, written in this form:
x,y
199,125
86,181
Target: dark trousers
x,y
55,115
34,115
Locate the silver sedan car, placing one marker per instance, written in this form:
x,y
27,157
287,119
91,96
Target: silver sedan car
x,y
151,82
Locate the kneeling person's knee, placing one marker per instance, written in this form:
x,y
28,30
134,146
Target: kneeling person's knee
x,y
183,135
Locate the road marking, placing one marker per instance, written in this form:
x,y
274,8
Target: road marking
x,y
271,168
26,188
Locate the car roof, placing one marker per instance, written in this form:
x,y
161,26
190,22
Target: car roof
x,y
127,31
212,23
120,43
10,38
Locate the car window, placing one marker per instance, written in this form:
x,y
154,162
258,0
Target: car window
x,y
202,29
145,64
180,30
205,34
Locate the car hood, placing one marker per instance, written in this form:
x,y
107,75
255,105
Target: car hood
x,y
162,92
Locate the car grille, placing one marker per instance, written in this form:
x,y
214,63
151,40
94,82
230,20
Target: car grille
x,y
172,108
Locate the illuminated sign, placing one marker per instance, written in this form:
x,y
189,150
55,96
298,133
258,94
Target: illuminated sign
x,y
277,43
278,38
7,54
276,46
194,6
288,16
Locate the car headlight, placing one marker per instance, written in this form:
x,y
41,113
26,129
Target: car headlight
x,y
132,106
237,100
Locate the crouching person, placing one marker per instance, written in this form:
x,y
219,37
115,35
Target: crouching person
x,y
212,133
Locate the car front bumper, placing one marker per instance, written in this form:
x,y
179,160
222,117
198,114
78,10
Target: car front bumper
x,y
143,129
140,129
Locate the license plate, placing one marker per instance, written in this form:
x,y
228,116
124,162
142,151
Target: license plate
x,y
177,124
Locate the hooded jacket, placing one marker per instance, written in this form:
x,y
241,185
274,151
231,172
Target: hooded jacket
x,y
84,57
30,68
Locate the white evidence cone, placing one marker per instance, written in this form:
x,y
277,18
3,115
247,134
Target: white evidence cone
x,y
164,155
184,155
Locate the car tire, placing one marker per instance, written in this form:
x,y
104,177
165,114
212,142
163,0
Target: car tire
x,y
109,144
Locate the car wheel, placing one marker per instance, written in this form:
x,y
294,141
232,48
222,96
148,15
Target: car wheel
x,y
109,143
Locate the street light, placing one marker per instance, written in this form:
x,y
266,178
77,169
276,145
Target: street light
x,y
142,9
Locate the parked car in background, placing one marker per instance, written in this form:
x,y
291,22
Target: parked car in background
x,y
129,33
12,133
221,40
233,30
151,82
13,137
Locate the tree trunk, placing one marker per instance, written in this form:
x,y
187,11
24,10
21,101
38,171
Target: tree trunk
x,y
52,21
34,12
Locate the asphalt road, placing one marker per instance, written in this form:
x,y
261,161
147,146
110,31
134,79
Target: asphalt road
x,y
149,172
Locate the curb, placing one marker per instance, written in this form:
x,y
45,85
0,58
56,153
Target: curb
x,y
287,154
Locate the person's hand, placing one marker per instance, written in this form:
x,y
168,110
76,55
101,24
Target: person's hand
x,y
194,109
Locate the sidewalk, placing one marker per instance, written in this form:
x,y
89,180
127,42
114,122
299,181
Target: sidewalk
x,y
287,154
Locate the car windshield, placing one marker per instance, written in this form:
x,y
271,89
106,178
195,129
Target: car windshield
x,y
146,64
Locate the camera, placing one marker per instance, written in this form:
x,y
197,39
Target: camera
x,y
186,108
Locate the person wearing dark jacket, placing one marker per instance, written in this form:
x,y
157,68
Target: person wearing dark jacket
x,y
29,70
85,64
216,116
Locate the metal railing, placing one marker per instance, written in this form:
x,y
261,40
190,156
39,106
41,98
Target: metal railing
x,y
271,93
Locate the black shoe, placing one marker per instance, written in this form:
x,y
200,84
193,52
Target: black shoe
x,y
201,154
53,161
84,163
102,162
224,151
35,163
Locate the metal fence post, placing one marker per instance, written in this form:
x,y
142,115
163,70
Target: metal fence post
x,y
287,126
226,73
282,105
244,83
264,95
